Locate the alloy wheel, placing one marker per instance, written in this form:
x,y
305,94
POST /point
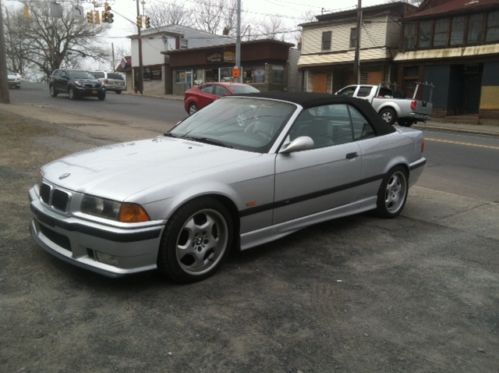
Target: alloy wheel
x,y
395,193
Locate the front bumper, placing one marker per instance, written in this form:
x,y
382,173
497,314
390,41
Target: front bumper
x,y
85,91
108,250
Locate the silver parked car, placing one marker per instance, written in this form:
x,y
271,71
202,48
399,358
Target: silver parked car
x,y
241,172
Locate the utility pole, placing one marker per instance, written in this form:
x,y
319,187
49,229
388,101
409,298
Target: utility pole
x,y
238,39
112,52
140,81
4,84
356,64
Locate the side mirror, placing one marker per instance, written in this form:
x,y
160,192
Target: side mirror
x,y
298,144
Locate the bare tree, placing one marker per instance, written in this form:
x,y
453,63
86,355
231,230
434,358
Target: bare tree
x,y
15,44
209,15
174,13
271,28
52,42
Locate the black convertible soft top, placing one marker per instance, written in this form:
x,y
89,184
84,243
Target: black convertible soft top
x,y
308,100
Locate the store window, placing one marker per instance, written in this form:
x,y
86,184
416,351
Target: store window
x,y
441,35
457,33
326,40
475,28
225,74
180,77
410,36
277,74
425,30
254,74
493,26
152,73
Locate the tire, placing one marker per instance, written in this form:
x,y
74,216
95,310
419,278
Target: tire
x,y
388,115
71,93
192,108
102,96
392,193
196,240
52,91
118,92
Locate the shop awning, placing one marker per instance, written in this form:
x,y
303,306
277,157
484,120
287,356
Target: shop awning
x,y
366,55
430,54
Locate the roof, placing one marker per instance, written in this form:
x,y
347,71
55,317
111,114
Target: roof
x,y
308,100
259,41
197,38
454,6
399,8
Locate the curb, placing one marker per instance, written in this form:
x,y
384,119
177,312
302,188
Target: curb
x,y
460,130
164,97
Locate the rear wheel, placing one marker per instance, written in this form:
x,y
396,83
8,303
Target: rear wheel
x,y
52,91
102,96
388,115
192,108
196,240
118,92
392,193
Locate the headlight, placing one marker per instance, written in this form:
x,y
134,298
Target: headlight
x,y
105,208
78,83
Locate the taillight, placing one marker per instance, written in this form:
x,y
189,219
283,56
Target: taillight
x,y
422,146
413,105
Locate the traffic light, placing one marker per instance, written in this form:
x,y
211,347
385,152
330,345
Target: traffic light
x,y
107,16
96,17
139,21
90,16
148,22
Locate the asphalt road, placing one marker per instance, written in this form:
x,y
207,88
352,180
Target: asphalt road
x,y
419,293
124,108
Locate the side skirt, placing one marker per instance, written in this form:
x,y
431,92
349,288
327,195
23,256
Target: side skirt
x,y
274,232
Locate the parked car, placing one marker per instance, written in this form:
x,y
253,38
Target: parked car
x,y
76,84
198,97
111,81
243,171
405,111
14,80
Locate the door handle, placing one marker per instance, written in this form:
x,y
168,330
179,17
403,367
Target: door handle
x,y
352,155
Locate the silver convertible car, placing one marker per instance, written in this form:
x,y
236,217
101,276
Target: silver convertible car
x,y
243,171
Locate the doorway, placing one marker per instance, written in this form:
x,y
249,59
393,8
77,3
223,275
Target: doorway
x,y
465,89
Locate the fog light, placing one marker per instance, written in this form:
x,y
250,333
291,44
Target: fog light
x,y
104,258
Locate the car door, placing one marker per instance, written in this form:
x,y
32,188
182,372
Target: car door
x,y
322,178
205,96
61,81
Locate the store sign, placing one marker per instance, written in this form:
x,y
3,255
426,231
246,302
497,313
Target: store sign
x,y
229,56
214,57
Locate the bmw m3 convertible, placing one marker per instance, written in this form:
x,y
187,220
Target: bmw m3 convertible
x,y
243,171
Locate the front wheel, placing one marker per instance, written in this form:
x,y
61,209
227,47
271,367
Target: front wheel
x,y
388,115
392,193
192,109
102,96
196,240
72,93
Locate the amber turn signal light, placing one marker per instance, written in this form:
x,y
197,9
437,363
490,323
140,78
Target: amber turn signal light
x,y
132,213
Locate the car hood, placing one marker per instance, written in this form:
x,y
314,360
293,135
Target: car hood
x,y
119,171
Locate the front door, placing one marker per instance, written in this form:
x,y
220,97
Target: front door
x,y
318,179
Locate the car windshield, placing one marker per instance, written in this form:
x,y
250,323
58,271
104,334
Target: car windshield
x,y
98,75
242,123
114,76
80,75
241,89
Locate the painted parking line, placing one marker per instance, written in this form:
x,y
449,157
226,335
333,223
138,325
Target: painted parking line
x,y
462,143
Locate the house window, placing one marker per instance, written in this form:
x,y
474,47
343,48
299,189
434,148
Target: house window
x,y
457,33
152,73
493,26
410,36
184,43
353,37
254,74
475,28
441,35
425,30
326,40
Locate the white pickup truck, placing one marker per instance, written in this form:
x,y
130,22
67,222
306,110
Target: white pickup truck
x,y
405,111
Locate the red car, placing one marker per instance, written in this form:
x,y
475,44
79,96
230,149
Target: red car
x,y
200,96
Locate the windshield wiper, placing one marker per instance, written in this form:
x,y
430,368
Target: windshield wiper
x,y
207,140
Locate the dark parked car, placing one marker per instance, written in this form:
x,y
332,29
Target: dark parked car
x,y
76,84
198,97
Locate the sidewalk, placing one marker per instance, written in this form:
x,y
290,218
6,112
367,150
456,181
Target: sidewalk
x,y
481,129
165,97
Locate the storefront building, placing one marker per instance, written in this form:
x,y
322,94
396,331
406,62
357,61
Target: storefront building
x,y
264,65
454,44
328,47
